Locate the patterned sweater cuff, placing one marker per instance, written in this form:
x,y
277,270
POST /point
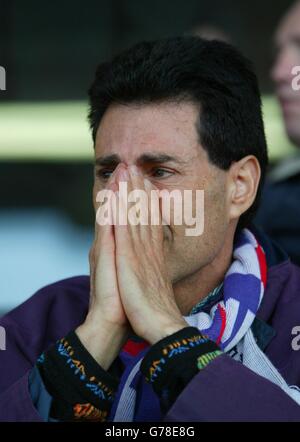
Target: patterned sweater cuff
x,y
80,388
173,362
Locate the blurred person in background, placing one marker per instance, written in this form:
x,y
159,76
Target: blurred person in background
x,y
210,32
279,213
168,326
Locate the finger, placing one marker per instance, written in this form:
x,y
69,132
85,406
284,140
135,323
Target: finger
x,y
104,223
105,265
141,207
122,233
136,178
154,208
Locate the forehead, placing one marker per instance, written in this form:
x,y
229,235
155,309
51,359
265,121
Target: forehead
x,y
131,130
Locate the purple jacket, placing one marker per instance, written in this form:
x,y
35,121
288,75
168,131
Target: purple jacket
x,y
223,391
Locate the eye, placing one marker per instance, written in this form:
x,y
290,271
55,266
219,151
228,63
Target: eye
x,y
159,172
104,174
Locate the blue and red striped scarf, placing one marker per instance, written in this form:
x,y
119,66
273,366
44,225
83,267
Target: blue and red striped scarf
x,y
243,290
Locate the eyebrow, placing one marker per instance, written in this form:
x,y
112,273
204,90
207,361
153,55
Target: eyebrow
x,y
109,160
157,158
146,158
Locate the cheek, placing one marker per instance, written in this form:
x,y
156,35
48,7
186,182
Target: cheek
x,y
185,211
215,211
211,210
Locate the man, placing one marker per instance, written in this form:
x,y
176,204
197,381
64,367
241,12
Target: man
x,y
172,327
279,213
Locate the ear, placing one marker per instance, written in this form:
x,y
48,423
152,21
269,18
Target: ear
x,y
244,177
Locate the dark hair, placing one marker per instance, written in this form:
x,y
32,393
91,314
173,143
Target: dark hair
x,y
212,74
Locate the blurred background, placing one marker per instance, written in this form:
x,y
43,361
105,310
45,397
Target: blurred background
x,y
49,51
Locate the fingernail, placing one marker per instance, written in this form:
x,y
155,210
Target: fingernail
x,y
114,187
134,170
124,175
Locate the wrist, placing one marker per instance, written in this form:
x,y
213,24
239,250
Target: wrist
x,y
102,339
162,330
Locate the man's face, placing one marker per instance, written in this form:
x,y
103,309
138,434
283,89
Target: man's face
x,y
162,141
287,42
